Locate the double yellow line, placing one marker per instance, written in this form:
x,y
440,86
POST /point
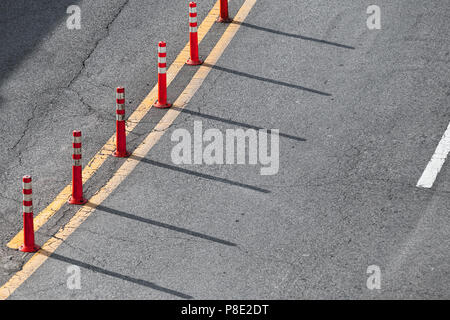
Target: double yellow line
x,y
141,151
97,161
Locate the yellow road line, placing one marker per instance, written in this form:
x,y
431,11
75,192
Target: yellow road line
x,y
96,162
128,166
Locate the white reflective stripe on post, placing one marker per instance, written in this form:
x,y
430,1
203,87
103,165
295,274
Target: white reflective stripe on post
x,y
192,19
76,139
161,70
120,117
120,95
26,185
162,49
162,60
120,107
76,150
193,9
192,29
77,162
27,209
27,197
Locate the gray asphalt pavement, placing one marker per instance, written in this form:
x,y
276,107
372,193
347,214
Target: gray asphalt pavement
x,y
55,80
360,113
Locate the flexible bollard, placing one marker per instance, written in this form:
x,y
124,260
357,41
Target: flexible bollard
x,y
28,227
77,179
224,18
162,77
121,136
194,59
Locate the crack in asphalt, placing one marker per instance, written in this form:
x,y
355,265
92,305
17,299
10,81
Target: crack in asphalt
x,y
75,77
24,132
90,109
105,35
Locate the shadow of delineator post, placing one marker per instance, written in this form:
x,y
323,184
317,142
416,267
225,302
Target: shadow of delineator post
x,y
117,275
280,83
292,35
164,225
199,174
236,123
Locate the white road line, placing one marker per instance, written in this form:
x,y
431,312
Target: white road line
x,y
436,162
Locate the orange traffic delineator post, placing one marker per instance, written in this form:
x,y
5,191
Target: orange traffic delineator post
x,y
224,18
194,59
77,179
28,227
162,77
121,136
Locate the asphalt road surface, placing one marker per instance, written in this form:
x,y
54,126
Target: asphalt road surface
x,y
360,113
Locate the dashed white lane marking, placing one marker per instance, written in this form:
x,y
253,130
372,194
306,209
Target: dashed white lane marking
x,y
437,161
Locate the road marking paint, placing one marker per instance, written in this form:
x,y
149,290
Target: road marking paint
x,y
107,150
437,161
128,166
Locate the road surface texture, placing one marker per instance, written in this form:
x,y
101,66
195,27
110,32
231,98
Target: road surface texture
x,y
360,113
